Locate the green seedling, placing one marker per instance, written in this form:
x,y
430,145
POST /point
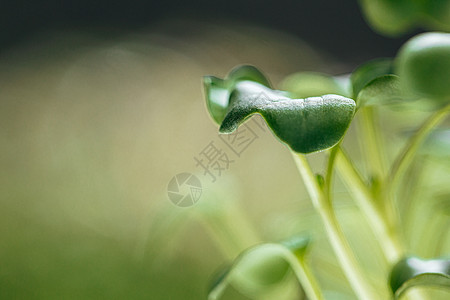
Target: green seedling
x,y
312,114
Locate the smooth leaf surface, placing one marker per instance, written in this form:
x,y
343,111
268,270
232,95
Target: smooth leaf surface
x,y
412,272
305,125
260,268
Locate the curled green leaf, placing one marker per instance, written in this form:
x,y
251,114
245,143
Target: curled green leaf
x,y
217,91
305,125
411,272
261,268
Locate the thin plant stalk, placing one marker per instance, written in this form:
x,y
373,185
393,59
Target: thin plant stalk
x,y
334,232
372,143
307,280
389,241
404,160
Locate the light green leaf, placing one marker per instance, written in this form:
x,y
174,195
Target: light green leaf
x,y
310,84
261,268
217,91
423,65
369,71
381,90
411,272
305,125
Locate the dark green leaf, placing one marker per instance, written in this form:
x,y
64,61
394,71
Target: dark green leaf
x,y
411,272
305,125
260,268
367,72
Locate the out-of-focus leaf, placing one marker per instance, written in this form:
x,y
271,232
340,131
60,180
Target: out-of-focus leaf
x,y
391,17
423,65
381,90
442,204
411,272
394,17
305,125
217,91
437,14
261,268
367,72
309,84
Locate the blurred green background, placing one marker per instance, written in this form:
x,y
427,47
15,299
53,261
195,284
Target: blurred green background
x,y
93,130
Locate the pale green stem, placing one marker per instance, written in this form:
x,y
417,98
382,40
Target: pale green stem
x,y
335,235
386,234
412,183
308,281
407,155
375,157
372,143
363,197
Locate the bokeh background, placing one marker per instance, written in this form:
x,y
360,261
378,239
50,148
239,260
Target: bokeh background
x,y
101,105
